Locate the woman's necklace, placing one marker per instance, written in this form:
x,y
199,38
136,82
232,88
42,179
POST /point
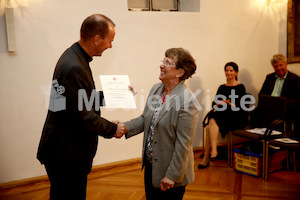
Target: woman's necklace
x,y
165,95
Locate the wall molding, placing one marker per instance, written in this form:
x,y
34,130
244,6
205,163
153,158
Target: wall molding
x,y
42,182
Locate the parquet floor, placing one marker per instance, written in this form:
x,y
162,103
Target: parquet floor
x,y
217,182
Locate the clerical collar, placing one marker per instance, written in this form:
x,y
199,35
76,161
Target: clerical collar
x,y
86,56
277,77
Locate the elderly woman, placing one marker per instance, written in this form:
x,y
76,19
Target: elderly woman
x,y
169,122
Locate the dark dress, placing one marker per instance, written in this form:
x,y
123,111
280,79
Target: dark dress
x,y
228,119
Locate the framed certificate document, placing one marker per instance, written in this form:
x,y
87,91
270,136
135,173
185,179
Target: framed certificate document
x,y
116,91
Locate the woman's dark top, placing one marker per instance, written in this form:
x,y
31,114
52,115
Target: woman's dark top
x,y
228,119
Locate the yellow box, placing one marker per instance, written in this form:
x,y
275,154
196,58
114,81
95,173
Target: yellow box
x,y
252,164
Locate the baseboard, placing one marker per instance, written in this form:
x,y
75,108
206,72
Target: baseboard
x,y
115,167
96,172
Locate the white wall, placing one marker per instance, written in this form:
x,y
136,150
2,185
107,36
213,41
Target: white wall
x,y
247,32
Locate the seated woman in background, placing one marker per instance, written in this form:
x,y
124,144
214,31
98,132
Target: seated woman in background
x,y
224,116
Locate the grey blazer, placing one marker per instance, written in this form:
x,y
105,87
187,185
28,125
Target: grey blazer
x,y
174,133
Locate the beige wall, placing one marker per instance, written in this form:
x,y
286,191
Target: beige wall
x,y
247,32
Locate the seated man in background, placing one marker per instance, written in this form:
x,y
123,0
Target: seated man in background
x,y
286,84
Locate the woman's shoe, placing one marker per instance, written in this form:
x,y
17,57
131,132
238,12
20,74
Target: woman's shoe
x,y
213,158
203,166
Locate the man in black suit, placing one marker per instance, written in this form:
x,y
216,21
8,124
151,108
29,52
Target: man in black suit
x,y
70,135
286,84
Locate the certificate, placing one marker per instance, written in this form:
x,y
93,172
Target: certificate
x,y
116,91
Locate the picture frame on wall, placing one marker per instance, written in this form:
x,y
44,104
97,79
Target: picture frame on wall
x,y
166,5
155,5
293,31
138,5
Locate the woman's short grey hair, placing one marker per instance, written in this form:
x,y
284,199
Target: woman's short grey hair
x,y
183,60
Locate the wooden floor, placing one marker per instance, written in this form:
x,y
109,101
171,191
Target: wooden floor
x,y
214,183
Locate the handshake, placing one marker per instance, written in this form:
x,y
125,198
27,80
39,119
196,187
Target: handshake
x,y
121,130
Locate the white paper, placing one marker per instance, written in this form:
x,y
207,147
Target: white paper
x,y
287,140
261,131
116,91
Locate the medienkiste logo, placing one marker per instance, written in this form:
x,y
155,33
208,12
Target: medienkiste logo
x,y
57,100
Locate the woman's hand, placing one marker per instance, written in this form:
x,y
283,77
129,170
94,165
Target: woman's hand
x,y
166,184
131,88
222,102
230,104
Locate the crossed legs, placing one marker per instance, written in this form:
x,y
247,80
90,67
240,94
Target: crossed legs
x,y
211,139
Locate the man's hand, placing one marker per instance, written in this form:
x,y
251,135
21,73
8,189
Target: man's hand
x,y
121,130
166,184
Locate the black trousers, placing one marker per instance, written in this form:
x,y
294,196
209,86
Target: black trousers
x,y
68,180
153,193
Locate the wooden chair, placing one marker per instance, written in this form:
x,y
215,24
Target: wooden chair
x,y
288,145
269,114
